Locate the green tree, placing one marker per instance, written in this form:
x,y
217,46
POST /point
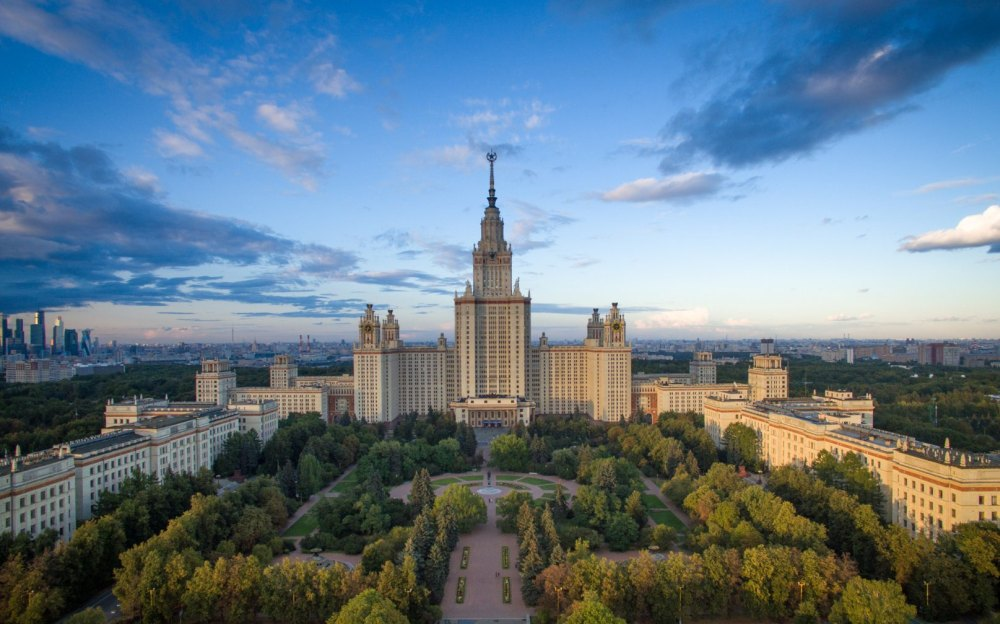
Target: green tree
x,y
621,532
742,446
436,567
253,527
369,607
530,565
851,475
508,508
467,508
509,452
310,475
591,610
25,594
421,492
93,615
872,602
635,508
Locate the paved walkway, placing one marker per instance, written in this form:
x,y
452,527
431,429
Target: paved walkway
x,y
348,560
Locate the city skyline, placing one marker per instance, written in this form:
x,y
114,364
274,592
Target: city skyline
x,y
759,169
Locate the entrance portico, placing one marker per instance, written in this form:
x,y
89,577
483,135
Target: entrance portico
x,y
493,411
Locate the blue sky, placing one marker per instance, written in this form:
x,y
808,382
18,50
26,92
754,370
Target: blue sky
x,y
180,171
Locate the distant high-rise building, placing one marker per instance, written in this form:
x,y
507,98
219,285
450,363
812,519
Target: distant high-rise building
x,y
702,368
57,336
768,377
215,382
4,334
37,336
71,343
493,376
86,349
283,372
18,345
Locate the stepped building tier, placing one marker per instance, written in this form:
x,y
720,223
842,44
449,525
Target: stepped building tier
x,y
492,375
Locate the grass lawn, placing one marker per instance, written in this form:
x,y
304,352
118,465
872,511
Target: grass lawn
x,y
445,481
508,477
303,526
664,516
549,486
652,502
347,483
471,478
513,486
536,481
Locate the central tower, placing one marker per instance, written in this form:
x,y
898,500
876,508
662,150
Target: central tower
x,y
492,317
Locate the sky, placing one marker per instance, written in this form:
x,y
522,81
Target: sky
x,y
193,171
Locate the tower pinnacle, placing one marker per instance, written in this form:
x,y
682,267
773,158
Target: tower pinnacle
x,y
492,157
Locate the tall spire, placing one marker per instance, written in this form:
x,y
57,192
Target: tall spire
x,y
492,157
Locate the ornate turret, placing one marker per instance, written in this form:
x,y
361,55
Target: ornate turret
x,y
369,330
491,257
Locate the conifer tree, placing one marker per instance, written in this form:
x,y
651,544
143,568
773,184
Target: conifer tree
x,y
530,565
560,507
436,568
422,492
548,537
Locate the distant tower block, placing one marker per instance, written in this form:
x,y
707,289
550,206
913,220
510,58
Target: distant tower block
x,y
702,368
215,382
767,377
284,372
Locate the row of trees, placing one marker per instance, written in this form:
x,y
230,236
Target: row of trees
x,y
152,577
42,580
764,582
38,416
958,576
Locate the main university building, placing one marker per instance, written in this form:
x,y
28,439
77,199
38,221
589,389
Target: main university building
x,y
492,375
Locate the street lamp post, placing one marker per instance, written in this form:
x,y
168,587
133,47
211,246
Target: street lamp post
x,y
927,594
680,604
802,585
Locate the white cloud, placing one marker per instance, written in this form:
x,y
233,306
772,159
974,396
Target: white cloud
x,y
846,318
946,184
143,178
458,155
171,145
696,317
281,119
973,231
674,188
334,81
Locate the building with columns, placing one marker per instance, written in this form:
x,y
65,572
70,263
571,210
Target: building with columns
x,y
492,375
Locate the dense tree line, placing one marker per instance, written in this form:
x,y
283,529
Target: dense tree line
x,y
958,576
38,416
42,580
766,582
928,402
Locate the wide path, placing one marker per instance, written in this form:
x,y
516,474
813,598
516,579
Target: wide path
x,y
349,560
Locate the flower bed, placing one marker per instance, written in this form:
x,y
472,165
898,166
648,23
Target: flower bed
x,y
505,557
465,557
506,589
460,593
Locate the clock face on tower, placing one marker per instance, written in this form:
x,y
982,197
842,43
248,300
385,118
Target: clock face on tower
x,y
616,326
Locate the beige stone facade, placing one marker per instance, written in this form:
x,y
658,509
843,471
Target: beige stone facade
x,y
768,378
928,489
